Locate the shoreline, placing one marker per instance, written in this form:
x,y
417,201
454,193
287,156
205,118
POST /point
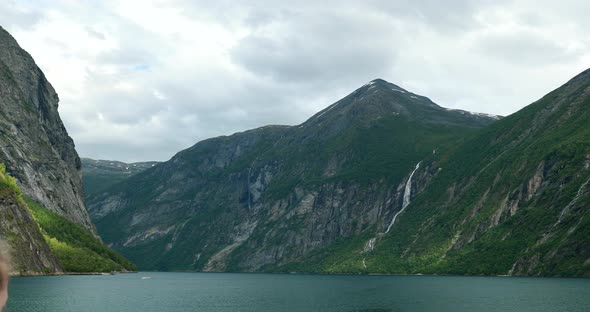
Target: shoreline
x,y
375,274
39,274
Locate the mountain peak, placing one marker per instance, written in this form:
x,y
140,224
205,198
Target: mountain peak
x,y
383,83
381,100
378,80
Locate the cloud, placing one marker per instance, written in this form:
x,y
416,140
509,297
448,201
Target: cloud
x,y
524,48
141,80
298,46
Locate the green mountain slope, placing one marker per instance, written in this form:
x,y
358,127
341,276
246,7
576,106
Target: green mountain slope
x,y
42,242
98,175
272,195
76,248
513,199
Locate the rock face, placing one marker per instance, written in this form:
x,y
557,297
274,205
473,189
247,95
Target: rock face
x,y
34,144
264,198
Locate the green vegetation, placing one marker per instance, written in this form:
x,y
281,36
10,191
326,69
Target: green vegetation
x,y
8,183
96,183
385,151
76,249
99,175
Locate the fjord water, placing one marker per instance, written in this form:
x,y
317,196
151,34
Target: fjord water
x,y
176,292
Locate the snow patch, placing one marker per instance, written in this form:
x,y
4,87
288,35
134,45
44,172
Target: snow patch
x,y
463,112
370,83
496,117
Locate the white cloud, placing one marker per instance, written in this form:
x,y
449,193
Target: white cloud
x,y
140,80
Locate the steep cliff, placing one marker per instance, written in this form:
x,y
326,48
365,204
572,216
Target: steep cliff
x,y
269,196
34,144
42,215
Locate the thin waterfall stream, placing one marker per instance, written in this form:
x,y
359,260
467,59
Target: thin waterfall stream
x,y
370,245
406,199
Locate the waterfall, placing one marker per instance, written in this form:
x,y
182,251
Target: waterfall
x,y
406,198
370,245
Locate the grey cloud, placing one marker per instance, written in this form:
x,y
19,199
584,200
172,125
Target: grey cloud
x,y
453,16
135,46
124,107
525,48
320,48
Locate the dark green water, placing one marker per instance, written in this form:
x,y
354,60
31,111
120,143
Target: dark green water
x,y
176,292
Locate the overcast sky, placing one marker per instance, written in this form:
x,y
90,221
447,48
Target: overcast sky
x,y
141,80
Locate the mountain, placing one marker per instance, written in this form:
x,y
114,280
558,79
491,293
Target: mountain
x,y
268,197
98,175
512,200
43,216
